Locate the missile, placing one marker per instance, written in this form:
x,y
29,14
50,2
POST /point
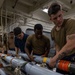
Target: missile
x,y
28,67
61,64
66,66
2,72
37,59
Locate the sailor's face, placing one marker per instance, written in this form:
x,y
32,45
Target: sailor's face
x,y
38,33
57,18
20,36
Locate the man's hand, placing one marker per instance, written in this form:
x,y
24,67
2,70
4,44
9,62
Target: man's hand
x,y
52,62
31,58
17,55
43,55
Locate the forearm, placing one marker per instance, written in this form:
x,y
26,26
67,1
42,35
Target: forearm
x,y
46,53
27,52
47,49
2,50
65,50
27,48
17,50
57,48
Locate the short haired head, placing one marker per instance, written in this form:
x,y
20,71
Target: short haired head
x,y
54,8
11,32
17,31
38,27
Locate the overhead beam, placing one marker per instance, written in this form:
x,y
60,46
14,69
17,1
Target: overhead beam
x,y
65,3
26,2
18,8
70,12
39,4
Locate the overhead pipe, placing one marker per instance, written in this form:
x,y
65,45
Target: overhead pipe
x,y
26,2
28,16
2,23
15,4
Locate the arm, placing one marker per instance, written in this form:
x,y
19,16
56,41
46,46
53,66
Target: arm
x,y
56,48
16,46
67,47
46,53
65,50
47,49
27,48
17,51
2,50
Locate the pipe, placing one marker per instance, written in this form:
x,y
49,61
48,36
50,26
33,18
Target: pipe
x,y
28,68
15,4
2,24
28,16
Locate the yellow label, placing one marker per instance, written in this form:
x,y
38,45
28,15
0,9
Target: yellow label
x,y
44,59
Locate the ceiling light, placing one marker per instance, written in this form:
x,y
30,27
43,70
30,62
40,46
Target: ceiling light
x,y
45,10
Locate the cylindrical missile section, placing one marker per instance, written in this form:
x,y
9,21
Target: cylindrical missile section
x,y
28,68
62,64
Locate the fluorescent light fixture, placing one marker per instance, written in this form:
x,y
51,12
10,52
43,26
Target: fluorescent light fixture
x,y
45,10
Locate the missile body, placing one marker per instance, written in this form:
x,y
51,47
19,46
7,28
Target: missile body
x,y
2,72
62,64
28,67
